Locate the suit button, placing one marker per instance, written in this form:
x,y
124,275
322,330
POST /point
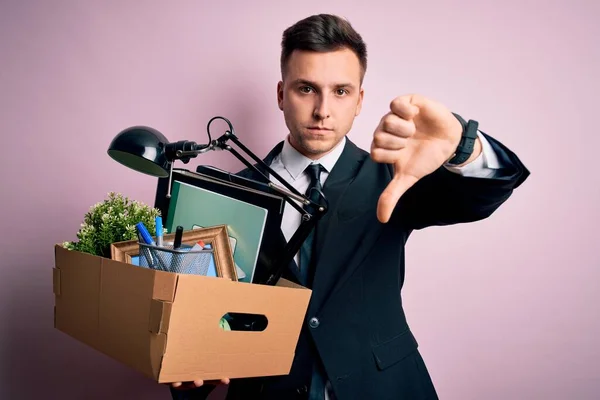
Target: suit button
x,y
302,389
314,322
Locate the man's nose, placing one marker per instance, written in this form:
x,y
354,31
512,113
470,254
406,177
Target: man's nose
x,y
322,109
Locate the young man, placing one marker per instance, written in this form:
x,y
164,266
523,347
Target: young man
x,y
426,167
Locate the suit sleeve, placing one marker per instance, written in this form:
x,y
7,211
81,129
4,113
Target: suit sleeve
x,y
484,166
444,197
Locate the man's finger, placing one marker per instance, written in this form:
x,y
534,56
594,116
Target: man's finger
x,y
383,140
391,195
403,107
183,385
198,383
384,156
397,126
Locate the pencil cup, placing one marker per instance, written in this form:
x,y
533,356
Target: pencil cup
x,y
181,260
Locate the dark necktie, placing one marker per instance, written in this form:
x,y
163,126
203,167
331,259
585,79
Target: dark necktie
x,y
313,193
317,387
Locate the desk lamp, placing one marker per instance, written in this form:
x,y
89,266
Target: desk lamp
x,y
146,150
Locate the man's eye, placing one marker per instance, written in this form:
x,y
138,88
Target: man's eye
x,y
305,89
341,92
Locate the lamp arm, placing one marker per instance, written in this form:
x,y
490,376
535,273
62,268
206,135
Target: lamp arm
x,y
184,150
221,143
260,162
288,196
291,248
292,193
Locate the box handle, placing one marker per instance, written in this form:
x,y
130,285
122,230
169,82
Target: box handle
x,y
245,322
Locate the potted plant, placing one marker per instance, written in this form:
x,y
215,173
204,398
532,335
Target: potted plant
x,y
112,220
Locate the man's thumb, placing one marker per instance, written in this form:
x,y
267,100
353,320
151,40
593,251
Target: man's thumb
x,y
390,196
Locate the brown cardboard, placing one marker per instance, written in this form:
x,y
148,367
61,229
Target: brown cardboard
x,y
166,325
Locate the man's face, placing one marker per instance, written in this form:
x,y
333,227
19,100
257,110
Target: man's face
x,y
320,96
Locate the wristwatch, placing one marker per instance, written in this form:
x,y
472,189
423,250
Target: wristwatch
x,y
467,141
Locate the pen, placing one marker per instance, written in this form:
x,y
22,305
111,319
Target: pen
x,y
143,231
176,259
143,236
159,231
178,236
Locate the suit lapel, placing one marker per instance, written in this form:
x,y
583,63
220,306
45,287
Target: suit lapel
x,y
331,238
252,174
340,177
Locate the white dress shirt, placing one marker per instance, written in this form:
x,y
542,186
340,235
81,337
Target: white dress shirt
x,y
290,165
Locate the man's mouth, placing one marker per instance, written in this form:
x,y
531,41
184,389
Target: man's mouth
x,y
319,129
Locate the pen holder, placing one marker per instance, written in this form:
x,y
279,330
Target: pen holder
x,y
180,260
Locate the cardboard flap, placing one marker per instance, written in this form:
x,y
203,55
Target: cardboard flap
x,y
289,284
76,278
160,315
165,285
125,308
114,307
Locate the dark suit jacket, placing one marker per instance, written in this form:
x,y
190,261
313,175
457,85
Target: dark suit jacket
x,y
363,338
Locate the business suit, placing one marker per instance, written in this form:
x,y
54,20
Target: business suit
x,y
355,320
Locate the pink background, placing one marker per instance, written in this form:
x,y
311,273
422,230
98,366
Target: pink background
x,y
506,308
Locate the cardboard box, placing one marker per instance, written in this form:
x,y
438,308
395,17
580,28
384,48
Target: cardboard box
x,y
166,325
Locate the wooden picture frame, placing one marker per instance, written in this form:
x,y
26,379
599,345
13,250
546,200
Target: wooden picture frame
x,y
216,236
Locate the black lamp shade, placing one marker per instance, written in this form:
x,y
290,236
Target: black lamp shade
x,y
141,148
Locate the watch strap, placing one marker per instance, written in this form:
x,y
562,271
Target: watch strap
x,y
467,141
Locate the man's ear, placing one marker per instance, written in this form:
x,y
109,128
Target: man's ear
x,y
280,95
360,101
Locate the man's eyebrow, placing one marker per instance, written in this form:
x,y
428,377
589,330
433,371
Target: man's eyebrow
x,y
309,83
304,82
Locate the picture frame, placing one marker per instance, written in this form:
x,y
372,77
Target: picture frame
x,y
215,236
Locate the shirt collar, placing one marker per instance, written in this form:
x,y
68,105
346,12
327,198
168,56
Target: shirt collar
x,y
295,163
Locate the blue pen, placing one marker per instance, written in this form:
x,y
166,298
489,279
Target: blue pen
x,y
148,240
144,232
159,231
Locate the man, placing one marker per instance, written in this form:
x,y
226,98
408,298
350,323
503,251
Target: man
x,y
427,166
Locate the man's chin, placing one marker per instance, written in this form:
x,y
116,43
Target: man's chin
x,y
317,150
315,147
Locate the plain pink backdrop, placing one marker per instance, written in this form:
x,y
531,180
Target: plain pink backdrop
x,y
506,308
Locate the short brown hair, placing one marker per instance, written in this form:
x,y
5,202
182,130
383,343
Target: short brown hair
x,y
323,33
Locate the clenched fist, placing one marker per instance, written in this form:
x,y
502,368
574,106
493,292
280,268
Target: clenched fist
x,y
417,136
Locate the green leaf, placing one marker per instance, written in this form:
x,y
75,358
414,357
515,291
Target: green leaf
x,y
112,220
